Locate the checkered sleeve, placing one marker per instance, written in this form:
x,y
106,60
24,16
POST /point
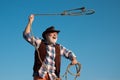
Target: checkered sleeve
x,y
67,53
35,41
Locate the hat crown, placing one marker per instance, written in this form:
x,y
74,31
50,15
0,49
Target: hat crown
x,y
48,30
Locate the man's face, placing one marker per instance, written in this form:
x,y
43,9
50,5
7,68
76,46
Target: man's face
x,y
52,37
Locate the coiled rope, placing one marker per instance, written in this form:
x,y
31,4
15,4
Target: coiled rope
x,y
78,68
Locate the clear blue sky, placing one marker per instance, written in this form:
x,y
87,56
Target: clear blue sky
x,y
95,39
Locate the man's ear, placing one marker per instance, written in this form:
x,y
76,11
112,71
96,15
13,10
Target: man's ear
x,y
46,35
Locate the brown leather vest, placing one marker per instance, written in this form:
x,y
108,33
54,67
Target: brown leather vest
x,y
42,53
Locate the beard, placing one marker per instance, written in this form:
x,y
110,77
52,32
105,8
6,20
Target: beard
x,y
51,40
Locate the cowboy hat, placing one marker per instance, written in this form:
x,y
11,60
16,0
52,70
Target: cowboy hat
x,y
49,30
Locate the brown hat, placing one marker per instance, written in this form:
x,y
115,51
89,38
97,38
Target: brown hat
x,y
48,30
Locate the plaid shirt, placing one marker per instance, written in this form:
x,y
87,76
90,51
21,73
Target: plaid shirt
x,y
49,61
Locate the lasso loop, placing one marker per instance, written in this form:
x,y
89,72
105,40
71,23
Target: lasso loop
x,y
77,74
71,12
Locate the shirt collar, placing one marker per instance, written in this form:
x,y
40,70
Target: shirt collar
x,y
46,42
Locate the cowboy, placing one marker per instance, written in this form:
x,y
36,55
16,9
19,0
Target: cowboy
x,y
47,53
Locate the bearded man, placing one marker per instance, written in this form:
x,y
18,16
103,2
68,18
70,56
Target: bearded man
x,y
47,53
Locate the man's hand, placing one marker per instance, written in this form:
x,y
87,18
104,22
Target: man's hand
x,y
74,61
28,27
31,18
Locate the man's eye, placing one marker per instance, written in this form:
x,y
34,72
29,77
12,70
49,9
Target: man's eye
x,y
50,35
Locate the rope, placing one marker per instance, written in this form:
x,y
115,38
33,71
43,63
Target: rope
x,y
71,12
31,32
78,68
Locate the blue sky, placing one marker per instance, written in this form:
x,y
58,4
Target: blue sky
x,y
95,39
